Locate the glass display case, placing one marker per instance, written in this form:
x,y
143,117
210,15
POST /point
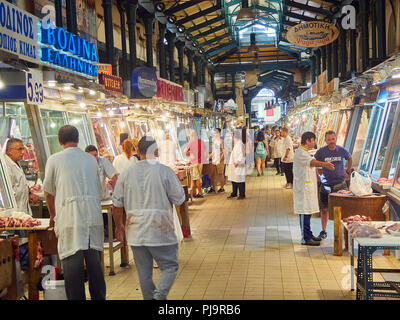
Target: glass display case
x,y
117,126
343,127
80,121
103,139
387,125
138,129
372,138
360,137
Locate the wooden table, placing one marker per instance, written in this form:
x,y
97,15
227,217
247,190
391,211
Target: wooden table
x,y
111,245
8,278
46,236
370,206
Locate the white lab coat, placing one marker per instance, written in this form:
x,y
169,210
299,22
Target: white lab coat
x,y
122,162
146,191
19,185
71,176
305,185
237,174
105,170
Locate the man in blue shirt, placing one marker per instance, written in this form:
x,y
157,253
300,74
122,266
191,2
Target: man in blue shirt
x,y
331,181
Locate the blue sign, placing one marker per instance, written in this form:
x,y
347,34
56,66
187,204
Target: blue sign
x,y
144,82
69,51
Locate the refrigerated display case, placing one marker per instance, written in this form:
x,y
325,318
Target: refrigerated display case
x,y
360,136
344,121
103,139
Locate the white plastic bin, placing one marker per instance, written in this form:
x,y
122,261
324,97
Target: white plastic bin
x,y
55,290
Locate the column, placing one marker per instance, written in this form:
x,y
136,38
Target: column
x,y
197,67
317,62
124,66
148,24
373,25
189,54
213,84
181,46
335,56
234,85
364,34
108,25
381,23
353,51
162,56
58,7
71,16
171,48
203,71
329,62
130,8
312,68
343,54
323,58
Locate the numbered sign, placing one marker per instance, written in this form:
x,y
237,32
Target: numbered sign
x,y
34,87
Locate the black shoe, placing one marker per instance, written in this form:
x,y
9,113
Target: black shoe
x,y
258,174
231,197
198,196
282,174
278,173
211,191
221,190
317,238
311,242
241,197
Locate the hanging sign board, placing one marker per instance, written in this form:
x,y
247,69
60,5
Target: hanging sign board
x,y
312,34
104,68
144,82
19,32
34,87
230,105
169,90
112,84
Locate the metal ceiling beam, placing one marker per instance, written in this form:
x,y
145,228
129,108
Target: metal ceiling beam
x,y
261,67
233,2
221,49
307,8
225,55
289,23
182,6
212,30
298,16
202,44
205,24
198,14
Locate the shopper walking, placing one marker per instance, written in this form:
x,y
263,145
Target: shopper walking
x,y
148,191
287,157
72,190
331,181
276,149
198,152
237,165
261,153
218,163
126,158
305,188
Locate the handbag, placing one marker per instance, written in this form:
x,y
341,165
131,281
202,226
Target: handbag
x,y
360,184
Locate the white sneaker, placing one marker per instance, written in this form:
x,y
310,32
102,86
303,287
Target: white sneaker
x,y
289,186
286,185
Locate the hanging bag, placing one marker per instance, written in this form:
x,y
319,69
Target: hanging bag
x,y
360,184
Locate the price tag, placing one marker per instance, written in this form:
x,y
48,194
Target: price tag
x,y
34,87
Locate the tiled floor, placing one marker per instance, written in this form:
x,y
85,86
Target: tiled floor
x,y
250,249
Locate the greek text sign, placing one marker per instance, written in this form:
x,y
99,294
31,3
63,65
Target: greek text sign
x,y
312,34
19,32
144,82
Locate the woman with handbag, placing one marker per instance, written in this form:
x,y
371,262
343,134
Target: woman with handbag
x,y
261,153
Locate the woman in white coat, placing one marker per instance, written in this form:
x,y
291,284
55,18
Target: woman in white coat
x,y
126,158
305,187
237,165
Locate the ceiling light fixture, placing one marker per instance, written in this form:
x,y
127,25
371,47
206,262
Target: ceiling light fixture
x,y
171,19
160,6
245,13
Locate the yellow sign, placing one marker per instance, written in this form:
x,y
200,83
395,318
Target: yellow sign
x,y
104,68
312,34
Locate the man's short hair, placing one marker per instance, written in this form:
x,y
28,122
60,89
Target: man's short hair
x,y
308,135
11,141
91,148
146,143
330,132
67,134
217,129
285,129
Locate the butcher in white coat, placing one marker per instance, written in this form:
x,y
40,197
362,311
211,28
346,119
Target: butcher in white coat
x,y
237,165
72,189
14,152
305,186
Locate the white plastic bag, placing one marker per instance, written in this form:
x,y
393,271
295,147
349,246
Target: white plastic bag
x,y
177,225
360,184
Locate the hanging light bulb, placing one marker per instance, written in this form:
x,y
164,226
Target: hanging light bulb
x,y
245,13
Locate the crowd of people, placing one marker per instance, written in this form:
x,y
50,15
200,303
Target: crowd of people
x,y
146,188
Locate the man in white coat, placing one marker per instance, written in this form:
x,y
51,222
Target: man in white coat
x,y
72,190
305,186
237,165
148,191
15,152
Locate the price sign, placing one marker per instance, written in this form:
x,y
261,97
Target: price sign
x,y
34,87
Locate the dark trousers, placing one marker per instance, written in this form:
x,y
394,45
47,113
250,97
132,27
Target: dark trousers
x,y
74,275
288,170
305,227
278,165
238,185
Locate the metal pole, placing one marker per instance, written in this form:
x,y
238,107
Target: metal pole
x,y
343,54
323,57
381,23
329,61
71,16
108,25
335,56
353,51
124,66
364,34
131,8
148,24
181,46
171,50
58,7
162,56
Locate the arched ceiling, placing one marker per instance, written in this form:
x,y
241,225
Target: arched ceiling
x,y
212,27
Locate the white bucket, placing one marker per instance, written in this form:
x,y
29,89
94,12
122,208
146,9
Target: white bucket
x,y
54,290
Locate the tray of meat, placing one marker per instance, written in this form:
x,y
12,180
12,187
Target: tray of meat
x,y
12,223
356,218
348,192
36,188
393,229
359,229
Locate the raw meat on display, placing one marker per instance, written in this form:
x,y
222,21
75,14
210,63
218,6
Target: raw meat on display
x,y
356,218
395,227
362,230
11,222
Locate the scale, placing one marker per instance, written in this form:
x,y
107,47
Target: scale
x,y
28,165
